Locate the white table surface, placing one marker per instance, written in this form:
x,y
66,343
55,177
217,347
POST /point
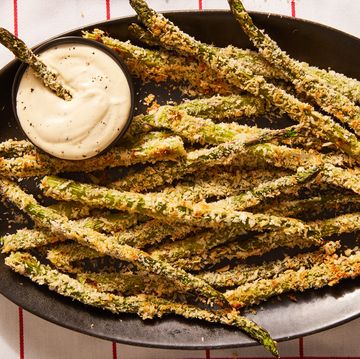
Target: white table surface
x,y
22,335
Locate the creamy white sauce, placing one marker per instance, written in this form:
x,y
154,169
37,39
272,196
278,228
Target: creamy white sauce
x,y
98,111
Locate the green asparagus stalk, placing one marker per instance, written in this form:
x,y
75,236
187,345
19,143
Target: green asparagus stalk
x,y
151,147
63,255
114,223
249,59
129,283
314,87
27,239
14,148
190,214
110,222
346,223
49,77
347,86
140,236
242,249
106,245
144,306
195,129
196,245
72,210
200,243
220,108
161,66
312,207
255,156
270,189
169,35
218,183
141,34
263,243
245,273
330,272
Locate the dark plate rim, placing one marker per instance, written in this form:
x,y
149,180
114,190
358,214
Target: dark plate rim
x,y
199,346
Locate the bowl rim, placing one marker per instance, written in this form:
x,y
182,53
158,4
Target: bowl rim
x,y
83,41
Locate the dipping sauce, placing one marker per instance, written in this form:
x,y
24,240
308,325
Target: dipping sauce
x,y
92,120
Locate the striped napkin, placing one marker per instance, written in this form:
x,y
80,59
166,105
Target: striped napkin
x,y
22,335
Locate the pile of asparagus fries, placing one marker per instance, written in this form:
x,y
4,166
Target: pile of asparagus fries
x,y
174,235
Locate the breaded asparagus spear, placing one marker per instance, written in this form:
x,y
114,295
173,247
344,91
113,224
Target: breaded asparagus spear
x,y
115,223
269,189
129,283
144,306
106,245
141,34
63,255
249,59
200,243
313,206
140,236
151,147
245,273
256,156
49,77
188,213
72,210
161,66
262,243
194,129
314,87
169,35
349,87
220,108
218,183
329,272
14,148
27,239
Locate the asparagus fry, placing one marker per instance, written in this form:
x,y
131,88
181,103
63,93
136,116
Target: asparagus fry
x,y
105,245
27,239
14,148
244,273
200,243
183,213
129,283
256,156
326,97
268,189
72,210
330,272
63,255
196,130
313,206
218,183
219,108
169,35
347,86
144,306
140,33
161,66
23,53
151,147
262,243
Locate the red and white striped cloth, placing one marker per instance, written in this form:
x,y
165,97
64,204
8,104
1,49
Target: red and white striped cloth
x,y
22,335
